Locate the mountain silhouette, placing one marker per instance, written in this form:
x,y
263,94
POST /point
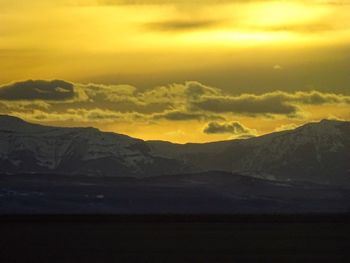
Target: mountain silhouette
x,y
316,152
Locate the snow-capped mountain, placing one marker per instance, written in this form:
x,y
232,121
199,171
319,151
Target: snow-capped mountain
x,y
316,152
31,148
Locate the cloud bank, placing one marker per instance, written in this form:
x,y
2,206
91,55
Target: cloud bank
x,y
190,101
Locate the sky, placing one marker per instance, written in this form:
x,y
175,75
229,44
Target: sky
x,y
176,70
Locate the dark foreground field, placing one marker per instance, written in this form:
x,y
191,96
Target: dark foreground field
x,y
174,239
202,193
209,217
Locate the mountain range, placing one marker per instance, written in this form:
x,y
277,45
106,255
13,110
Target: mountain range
x,y
316,152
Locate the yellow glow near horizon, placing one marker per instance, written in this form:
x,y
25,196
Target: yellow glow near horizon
x,y
192,131
240,47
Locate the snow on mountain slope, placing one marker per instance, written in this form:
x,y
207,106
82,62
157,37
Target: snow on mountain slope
x,y
318,152
315,152
26,147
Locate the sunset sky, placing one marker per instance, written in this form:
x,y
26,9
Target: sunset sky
x,y
176,70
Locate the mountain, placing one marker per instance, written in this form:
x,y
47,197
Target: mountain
x,y
83,170
32,148
316,152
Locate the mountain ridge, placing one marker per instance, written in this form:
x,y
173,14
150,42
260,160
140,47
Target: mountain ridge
x,y
10,118
316,152
26,147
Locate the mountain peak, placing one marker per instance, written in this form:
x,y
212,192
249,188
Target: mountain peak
x,y
12,123
323,128
9,118
330,121
324,124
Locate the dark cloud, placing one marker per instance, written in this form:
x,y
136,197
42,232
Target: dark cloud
x,y
318,98
196,89
279,103
197,24
186,116
182,25
249,105
234,128
179,116
175,102
55,90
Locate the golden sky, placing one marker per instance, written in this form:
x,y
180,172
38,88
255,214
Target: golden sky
x,y
194,70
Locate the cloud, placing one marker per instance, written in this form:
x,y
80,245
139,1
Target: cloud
x,y
72,115
316,98
178,116
186,116
247,105
234,128
277,102
196,89
190,90
38,90
182,25
189,101
122,98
